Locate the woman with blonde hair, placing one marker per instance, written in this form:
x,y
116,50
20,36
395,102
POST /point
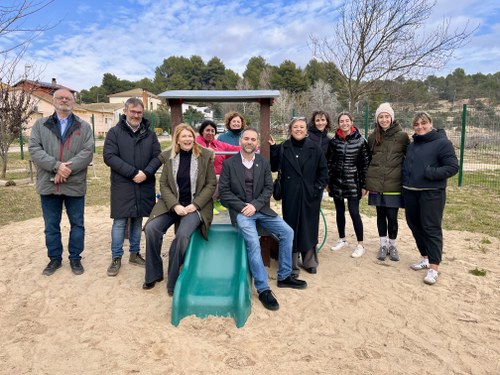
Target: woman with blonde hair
x,y
187,184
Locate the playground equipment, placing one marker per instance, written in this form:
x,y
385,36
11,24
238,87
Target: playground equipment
x,y
215,279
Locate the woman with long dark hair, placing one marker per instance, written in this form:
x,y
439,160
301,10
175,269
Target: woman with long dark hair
x,y
348,160
387,145
319,125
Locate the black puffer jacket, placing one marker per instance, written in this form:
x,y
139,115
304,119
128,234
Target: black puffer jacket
x,y
319,137
347,165
384,172
126,153
430,161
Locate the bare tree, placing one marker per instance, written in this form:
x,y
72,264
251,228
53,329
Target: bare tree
x,y
376,40
322,97
17,104
12,23
285,106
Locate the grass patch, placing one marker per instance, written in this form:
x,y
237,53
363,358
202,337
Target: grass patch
x,y
19,203
485,241
468,208
478,272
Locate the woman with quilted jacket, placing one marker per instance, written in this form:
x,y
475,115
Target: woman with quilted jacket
x,y
348,159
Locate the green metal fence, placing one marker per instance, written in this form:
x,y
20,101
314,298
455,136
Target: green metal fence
x,y
474,131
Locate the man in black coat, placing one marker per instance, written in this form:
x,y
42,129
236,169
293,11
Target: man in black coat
x,y
131,150
245,188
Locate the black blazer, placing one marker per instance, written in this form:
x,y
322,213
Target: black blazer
x,y
232,186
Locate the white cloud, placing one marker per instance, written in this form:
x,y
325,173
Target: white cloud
x,y
131,39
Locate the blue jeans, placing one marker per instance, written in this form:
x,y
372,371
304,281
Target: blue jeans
x,y
247,226
52,212
118,235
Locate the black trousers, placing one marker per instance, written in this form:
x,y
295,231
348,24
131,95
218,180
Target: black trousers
x,y
387,222
154,231
353,207
424,215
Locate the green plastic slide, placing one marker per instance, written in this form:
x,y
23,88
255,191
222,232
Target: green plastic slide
x,y
215,279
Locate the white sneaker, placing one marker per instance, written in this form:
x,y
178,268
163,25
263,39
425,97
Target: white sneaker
x,y
339,245
358,251
420,265
432,277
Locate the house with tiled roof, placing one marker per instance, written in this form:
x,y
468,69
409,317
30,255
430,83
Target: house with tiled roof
x,y
101,115
46,87
151,101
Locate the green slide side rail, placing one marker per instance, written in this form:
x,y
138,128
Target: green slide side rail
x,y
215,279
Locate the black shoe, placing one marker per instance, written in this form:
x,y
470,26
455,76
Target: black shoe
x,y
151,285
170,292
52,267
312,270
290,282
269,300
76,266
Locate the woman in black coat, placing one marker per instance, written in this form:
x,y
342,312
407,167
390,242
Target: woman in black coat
x,y
430,161
348,161
319,126
304,176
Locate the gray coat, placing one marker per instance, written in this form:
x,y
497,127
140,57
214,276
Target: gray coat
x,y
48,150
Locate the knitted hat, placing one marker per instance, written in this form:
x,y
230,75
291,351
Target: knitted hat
x,y
384,107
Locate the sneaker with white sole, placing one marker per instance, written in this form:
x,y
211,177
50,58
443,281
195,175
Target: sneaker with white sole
x,y
358,251
393,253
382,253
340,244
431,278
420,265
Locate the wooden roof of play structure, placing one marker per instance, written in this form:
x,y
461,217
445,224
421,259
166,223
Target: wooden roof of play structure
x,y
265,98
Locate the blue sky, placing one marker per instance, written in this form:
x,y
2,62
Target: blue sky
x,y
130,38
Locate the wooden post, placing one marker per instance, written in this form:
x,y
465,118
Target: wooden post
x,y
265,125
175,112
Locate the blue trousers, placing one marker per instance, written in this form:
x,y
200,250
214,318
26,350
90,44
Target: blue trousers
x,y
247,226
118,235
52,206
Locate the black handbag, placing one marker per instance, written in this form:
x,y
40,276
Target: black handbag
x,y
277,190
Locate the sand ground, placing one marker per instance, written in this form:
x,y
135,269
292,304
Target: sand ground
x,y
357,316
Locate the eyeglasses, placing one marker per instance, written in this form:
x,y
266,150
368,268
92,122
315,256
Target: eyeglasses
x,y
63,98
135,113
